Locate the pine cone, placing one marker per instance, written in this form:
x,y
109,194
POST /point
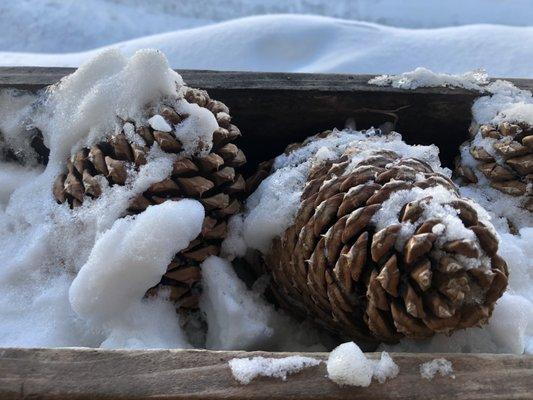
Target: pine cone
x,y
505,159
212,179
372,283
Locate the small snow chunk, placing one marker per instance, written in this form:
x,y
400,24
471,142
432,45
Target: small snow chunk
x,y
385,368
158,123
348,365
440,365
131,257
245,370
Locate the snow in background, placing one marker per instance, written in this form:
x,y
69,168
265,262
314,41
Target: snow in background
x,y
200,34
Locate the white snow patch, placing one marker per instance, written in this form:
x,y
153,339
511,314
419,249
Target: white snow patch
x,y
245,370
438,365
348,365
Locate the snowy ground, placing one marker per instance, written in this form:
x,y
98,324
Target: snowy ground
x,y
65,33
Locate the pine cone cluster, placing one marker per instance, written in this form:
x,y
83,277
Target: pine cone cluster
x,y
334,266
506,160
213,179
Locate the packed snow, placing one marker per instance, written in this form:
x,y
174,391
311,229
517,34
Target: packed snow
x,y
439,365
244,370
348,365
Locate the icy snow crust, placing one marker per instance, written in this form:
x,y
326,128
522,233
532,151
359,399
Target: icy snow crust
x,y
348,365
245,370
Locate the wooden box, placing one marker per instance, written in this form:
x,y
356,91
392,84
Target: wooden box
x,y
273,110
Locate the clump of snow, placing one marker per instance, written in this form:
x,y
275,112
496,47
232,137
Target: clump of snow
x,y
196,131
92,102
385,368
13,176
348,365
423,77
240,319
237,319
273,206
158,123
125,262
438,365
244,370
504,102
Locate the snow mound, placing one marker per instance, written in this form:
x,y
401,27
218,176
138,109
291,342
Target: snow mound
x,y
244,370
439,365
304,43
348,365
240,319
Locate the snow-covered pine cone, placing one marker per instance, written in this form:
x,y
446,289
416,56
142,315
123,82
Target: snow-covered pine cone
x,y
373,279
213,179
504,155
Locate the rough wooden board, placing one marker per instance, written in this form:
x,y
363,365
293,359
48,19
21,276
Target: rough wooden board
x,y
139,374
275,109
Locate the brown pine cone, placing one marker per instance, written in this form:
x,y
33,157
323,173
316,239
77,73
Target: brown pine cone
x,y
373,280
213,179
504,157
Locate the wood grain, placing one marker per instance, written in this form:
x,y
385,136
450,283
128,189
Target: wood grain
x,y
169,374
275,109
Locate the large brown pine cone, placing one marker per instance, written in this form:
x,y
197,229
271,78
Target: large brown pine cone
x,y
505,159
212,179
333,265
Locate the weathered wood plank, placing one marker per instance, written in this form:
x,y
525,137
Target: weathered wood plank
x,y
140,374
38,77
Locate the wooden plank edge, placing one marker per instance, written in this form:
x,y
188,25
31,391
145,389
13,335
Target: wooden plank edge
x,y
138,374
34,78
